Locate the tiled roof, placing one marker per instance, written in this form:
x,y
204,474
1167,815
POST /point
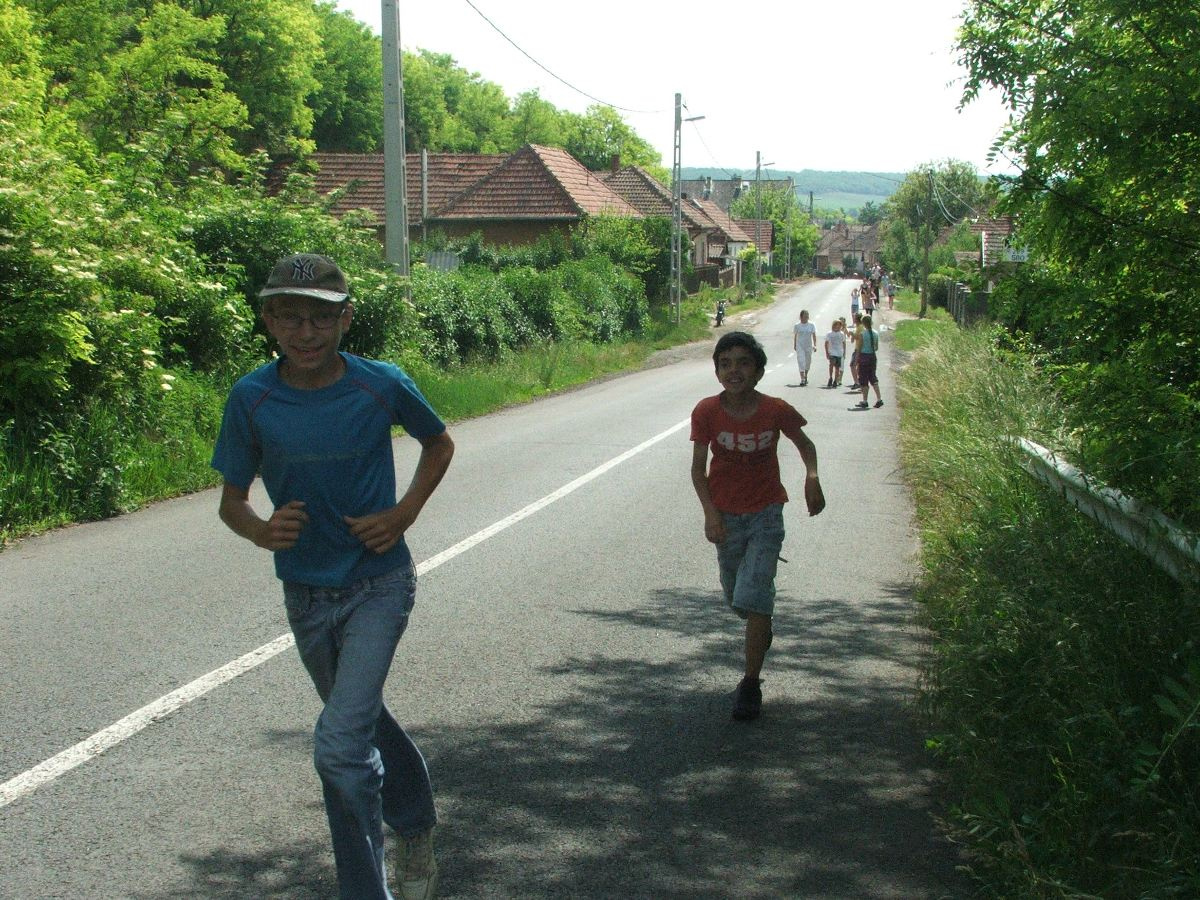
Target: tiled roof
x,y
651,197
995,236
730,228
449,174
536,183
761,231
849,238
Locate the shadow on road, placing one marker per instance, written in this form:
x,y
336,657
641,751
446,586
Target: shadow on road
x,y
633,782
638,784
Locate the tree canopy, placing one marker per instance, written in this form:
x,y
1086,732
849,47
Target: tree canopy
x,y
1105,100
789,219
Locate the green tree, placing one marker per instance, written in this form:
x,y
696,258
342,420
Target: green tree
x,y
23,77
870,213
930,199
783,209
269,52
77,37
1105,96
348,102
161,95
449,109
599,135
536,121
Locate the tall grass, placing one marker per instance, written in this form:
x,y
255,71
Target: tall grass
x,y
1064,677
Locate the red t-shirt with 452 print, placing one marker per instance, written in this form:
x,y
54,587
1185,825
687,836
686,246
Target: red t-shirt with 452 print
x,y
743,476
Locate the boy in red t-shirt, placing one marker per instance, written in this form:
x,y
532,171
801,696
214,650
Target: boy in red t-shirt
x,y
742,494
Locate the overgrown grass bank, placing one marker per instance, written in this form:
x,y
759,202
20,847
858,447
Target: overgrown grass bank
x,y
1063,686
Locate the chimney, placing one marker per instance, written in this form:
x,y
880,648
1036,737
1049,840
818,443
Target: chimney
x,y
615,163
707,187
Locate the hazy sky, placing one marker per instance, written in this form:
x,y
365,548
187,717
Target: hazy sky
x,y
870,85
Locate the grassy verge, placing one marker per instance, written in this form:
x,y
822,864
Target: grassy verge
x,y
1063,686
913,333
66,479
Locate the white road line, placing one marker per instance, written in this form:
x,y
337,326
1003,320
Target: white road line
x,y
89,748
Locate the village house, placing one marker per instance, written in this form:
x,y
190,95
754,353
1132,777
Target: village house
x,y
845,243
510,199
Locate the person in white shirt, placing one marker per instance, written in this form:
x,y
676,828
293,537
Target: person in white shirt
x,y
835,352
804,342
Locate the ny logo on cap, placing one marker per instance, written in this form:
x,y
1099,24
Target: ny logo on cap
x,y
303,268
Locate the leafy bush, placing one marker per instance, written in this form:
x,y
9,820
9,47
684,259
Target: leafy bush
x,y
610,301
541,298
939,290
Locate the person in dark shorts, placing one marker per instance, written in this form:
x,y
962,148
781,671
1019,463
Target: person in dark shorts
x,y
868,355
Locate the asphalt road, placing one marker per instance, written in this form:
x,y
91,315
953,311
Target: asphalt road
x,y
568,674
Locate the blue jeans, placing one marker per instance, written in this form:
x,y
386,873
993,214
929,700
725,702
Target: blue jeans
x,y
370,770
748,558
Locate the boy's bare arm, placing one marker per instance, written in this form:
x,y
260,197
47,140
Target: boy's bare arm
x,y
814,497
383,530
714,524
276,533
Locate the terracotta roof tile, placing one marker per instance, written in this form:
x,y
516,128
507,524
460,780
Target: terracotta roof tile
x,y
731,229
763,228
536,183
995,246
449,174
651,197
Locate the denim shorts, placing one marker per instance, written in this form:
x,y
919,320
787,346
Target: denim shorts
x,y
748,558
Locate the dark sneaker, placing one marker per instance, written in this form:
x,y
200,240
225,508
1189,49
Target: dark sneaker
x,y
862,405
749,699
416,867
878,403
830,384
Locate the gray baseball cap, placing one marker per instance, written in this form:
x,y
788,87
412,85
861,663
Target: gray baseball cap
x,y
307,275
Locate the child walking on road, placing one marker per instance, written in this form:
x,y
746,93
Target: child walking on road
x,y
317,425
742,495
804,342
867,355
835,352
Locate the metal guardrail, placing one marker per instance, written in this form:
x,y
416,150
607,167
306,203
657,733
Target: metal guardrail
x,y
1161,539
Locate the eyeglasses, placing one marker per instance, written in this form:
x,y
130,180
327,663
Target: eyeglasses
x,y
322,321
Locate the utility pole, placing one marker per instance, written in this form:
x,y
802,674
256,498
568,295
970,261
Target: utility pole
x,y
676,215
677,209
787,233
757,219
395,178
928,242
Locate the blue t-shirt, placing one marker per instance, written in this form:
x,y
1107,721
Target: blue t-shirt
x,y
331,448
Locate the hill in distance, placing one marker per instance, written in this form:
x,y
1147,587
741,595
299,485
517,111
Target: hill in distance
x,y
830,190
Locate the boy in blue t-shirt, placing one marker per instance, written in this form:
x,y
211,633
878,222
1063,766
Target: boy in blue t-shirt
x,y
316,425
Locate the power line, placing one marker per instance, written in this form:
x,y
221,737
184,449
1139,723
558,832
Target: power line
x,y
946,188
711,155
941,203
552,74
